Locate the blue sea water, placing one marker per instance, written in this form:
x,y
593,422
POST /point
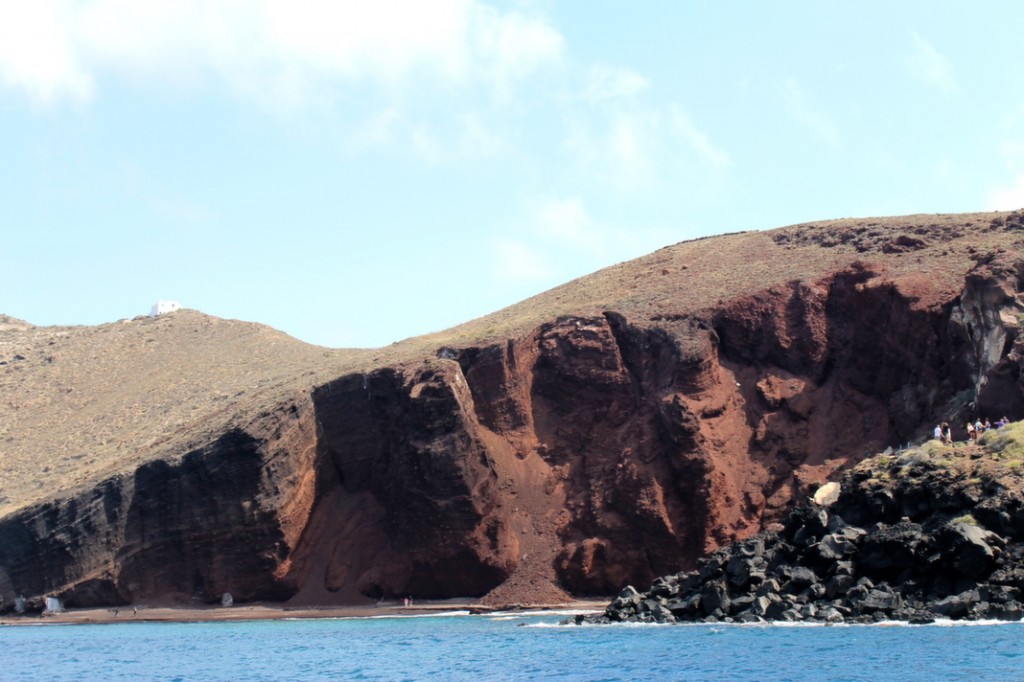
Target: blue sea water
x,y
511,647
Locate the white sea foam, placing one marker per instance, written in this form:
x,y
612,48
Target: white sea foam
x,y
945,622
439,614
565,613
938,622
716,628
602,625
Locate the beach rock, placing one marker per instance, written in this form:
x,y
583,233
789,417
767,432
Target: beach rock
x,y
665,587
742,570
801,576
839,585
662,614
972,548
1011,611
827,495
629,597
835,546
891,547
714,598
830,614
955,606
749,617
880,600
687,608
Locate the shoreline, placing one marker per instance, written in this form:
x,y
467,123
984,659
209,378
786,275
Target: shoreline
x,y
263,611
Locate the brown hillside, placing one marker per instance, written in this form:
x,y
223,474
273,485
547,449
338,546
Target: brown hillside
x,y
681,398
80,403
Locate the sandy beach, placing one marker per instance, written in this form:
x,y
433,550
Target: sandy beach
x,y
241,612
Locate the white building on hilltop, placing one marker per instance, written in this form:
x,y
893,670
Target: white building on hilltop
x,y
164,307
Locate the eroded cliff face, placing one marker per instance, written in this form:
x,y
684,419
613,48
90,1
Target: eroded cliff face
x,y
224,518
590,453
985,327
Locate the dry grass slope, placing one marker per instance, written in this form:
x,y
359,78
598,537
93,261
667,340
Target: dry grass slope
x,y
80,403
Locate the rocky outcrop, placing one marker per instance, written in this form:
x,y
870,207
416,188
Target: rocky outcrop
x,y
914,537
577,456
985,325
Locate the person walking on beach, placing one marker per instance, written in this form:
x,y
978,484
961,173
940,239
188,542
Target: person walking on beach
x,y
972,435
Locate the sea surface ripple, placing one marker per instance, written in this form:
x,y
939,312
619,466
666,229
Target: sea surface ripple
x,y
507,647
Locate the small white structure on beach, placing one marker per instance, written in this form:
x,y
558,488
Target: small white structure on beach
x,y
164,307
53,605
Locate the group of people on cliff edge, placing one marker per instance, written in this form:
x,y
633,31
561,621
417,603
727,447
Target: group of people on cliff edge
x,y
974,429
944,434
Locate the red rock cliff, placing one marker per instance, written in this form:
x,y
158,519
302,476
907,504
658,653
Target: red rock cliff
x,y
580,455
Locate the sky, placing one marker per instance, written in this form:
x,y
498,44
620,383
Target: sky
x,y
358,173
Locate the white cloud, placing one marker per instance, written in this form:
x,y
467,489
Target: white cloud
x,y
426,144
37,54
513,44
807,114
929,66
612,82
698,141
1008,198
629,143
517,261
183,215
476,138
633,147
557,231
272,49
1013,155
380,129
564,229
467,135
566,220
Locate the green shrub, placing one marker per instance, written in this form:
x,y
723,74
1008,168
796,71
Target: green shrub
x,y
1007,443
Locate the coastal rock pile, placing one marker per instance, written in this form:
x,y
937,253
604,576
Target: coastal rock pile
x,y
912,538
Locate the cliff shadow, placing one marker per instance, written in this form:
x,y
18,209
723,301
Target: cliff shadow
x,y
195,529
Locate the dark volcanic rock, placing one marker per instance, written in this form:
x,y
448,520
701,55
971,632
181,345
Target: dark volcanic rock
x,y
942,565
